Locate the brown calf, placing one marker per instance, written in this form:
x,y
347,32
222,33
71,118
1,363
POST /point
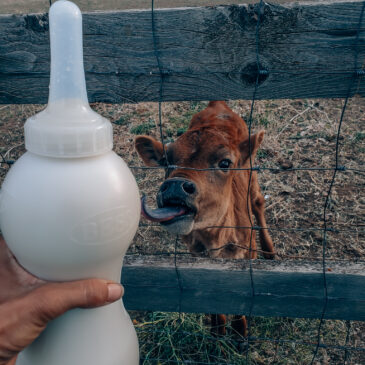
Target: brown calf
x,y
196,204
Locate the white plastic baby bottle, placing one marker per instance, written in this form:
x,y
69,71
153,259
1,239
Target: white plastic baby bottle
x,y
69,208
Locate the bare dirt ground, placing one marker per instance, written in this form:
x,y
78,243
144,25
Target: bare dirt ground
x,y
299,133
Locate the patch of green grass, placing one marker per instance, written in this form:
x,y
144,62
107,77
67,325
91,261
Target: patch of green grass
x,y
169,132
262,154
180,123
143,128
123,120
264,121
359,136
168,337
181,131
197,106
172,338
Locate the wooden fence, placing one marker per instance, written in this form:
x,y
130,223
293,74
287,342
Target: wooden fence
x,y
306,50
205,53
282,288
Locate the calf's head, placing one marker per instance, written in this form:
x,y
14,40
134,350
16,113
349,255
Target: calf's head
x,y
200,188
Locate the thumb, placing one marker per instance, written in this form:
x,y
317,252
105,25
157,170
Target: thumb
x,y
53,299
24,318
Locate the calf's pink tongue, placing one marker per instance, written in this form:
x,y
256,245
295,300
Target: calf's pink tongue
x,y
160,214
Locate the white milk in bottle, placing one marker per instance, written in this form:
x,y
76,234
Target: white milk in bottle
x,y
69,208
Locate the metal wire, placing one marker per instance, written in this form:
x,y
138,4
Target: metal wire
x,y
254,168
248,207
178,276
324,229
153,21
5,161
326,204
354,74
279,229
346,354
161,73
277,254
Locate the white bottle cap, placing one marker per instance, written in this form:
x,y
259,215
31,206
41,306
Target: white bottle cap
x,y
68,127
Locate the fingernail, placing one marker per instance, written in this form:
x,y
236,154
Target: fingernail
x,y
115,291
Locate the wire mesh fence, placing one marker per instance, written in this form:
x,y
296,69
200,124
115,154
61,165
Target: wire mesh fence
x,y
179,338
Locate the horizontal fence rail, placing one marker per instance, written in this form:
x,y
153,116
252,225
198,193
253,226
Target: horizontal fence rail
x,y
204,53
282,288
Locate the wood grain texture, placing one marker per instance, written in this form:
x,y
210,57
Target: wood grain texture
x,y
206,53
282,288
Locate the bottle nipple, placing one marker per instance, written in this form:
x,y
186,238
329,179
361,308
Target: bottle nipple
x,y
68,127
67,68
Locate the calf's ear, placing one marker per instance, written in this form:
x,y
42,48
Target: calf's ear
x,y
150,150
250,145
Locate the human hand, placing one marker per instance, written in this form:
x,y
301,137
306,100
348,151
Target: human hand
x,y
27,303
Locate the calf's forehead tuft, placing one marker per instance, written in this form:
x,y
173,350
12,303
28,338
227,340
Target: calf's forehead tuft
x,y
224,121
199,143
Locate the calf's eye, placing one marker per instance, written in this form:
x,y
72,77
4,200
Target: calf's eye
x,y
225,164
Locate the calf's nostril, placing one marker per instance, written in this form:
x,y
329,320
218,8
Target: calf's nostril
x,y
163,188
189,187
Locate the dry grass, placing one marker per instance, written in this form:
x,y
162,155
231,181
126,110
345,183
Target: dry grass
x,y
186,339
299,133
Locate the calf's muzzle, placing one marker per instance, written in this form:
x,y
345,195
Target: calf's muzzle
x,y
175,201
176,191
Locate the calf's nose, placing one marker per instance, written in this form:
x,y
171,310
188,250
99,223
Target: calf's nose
x,y
176,188
189,187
